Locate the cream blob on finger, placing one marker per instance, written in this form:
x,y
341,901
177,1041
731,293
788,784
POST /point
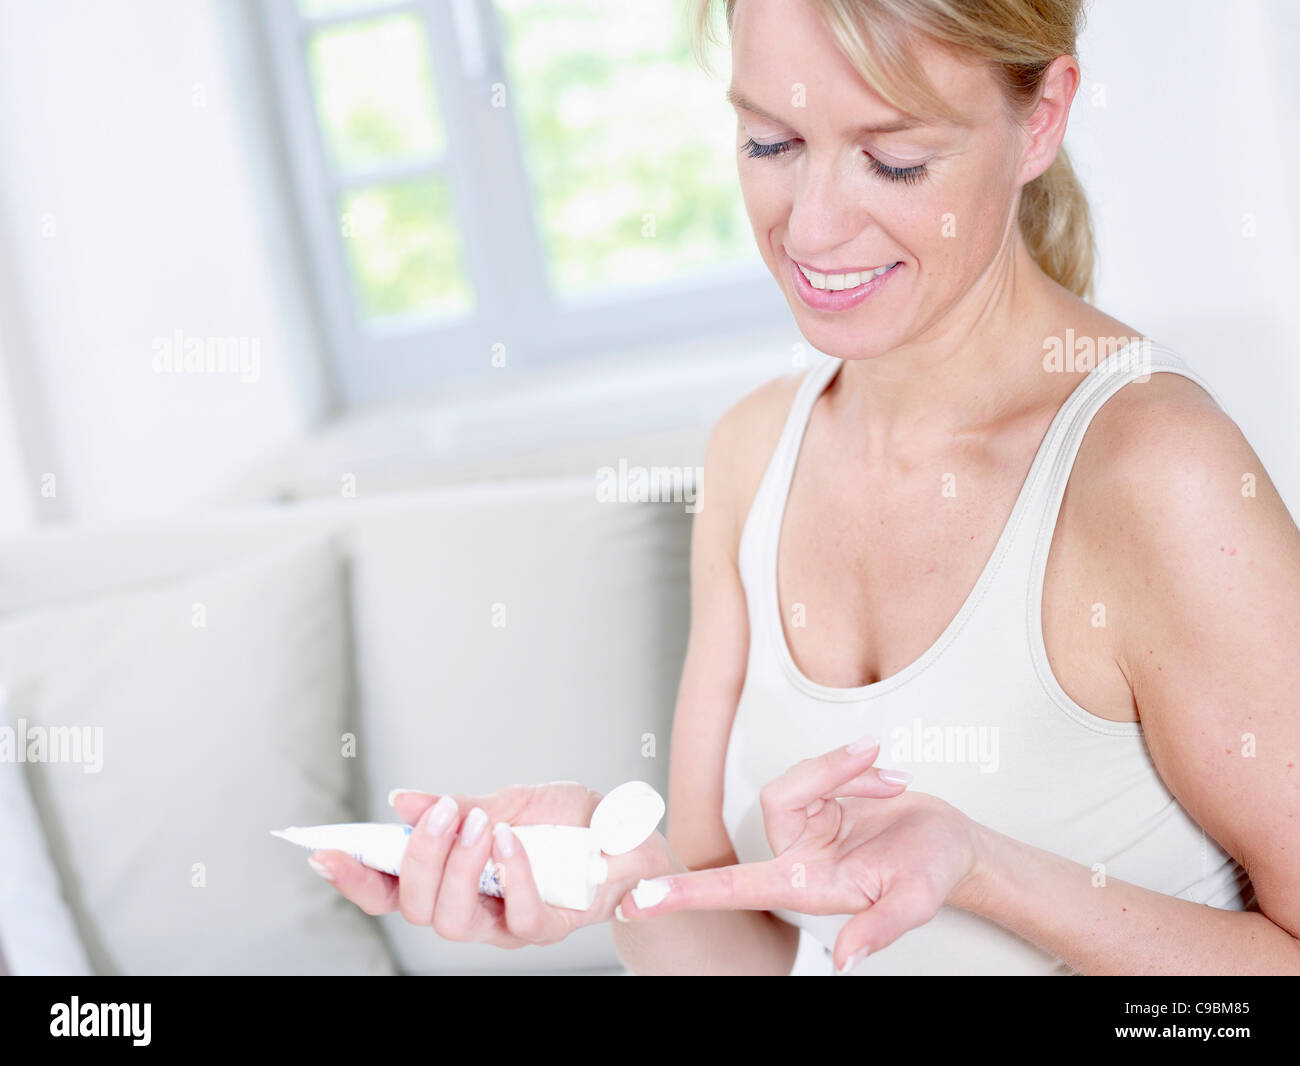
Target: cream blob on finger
x,y
650,893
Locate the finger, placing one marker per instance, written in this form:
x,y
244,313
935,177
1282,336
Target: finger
x,y
410,803
785,800
372,891
872,783
757,886
432,837
458,912
526,915
904,906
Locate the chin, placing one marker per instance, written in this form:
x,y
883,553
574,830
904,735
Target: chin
x,y
844,340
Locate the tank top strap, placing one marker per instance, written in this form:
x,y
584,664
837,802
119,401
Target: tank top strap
x,y
1134,363
762,524
1028,555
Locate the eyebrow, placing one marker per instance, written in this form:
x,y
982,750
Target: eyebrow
x,y
738,99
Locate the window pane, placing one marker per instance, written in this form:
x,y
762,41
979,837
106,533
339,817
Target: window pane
x,y
374,92
317,8
403,249
630,146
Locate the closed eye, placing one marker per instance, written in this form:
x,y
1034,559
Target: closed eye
x,y
761,151
906,175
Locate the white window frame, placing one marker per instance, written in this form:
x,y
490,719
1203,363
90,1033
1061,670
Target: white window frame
x,y
504,258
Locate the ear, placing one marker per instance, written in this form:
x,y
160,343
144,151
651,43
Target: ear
x,y
1047,122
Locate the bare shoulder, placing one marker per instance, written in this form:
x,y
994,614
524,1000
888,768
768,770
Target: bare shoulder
x,y
741,445
1164,441
1181,511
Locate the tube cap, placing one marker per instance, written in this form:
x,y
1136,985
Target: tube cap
x,y
626,817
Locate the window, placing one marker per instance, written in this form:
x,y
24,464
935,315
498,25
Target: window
x,y
488,183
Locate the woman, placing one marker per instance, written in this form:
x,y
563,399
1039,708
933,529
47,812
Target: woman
x,y
999,531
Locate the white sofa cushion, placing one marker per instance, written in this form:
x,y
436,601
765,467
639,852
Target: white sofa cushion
x,y
38,936
578,683
211,736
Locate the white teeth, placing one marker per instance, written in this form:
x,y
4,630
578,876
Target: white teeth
x,y
837,282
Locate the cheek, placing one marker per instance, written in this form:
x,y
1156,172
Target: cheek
x,y
966,223
923,223
766,203
988,193
759,189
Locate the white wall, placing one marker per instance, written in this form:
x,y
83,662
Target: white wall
x,y
131,206
17,514
1187,122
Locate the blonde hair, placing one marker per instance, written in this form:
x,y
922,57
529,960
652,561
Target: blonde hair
x,y
1019,39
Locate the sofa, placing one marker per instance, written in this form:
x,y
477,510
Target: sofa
x,y
173,691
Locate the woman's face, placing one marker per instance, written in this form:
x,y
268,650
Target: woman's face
x,y
837,180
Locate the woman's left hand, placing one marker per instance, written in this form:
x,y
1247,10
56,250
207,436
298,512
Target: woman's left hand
x,y
890,862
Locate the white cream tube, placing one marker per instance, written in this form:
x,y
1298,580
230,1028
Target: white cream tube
x,y
567,865
567,861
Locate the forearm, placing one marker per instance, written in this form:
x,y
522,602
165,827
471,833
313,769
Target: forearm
x,y
707,943
1119,928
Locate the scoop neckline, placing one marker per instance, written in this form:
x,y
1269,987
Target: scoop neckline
x,y
776,630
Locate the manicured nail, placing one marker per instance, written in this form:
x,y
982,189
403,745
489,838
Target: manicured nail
x,y
475,822
392,796
861,744
320,868
854,959
444,811
895,777
650,893
618,913
504,839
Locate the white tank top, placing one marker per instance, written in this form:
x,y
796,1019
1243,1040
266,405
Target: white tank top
x,y
979,719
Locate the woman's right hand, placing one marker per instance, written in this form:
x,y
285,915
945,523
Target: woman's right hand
x,y
454,838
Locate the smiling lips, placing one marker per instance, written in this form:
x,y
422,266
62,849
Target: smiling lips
x,y
839,290
839,282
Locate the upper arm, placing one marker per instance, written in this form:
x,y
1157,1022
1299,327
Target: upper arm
x,y
717,651
1208,559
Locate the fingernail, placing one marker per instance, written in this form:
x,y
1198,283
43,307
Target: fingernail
x,y
618,913
473,827
815,806
504,838
861,744
650,893
320,868
854,959
392,796
440,817
895,777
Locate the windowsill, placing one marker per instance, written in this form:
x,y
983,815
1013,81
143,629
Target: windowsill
x,y
647,405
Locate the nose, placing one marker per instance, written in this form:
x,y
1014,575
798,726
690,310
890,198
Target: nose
x,y
828,209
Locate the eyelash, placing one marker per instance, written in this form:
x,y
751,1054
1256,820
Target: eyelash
x,y
906,175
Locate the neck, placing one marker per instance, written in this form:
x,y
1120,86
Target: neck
x,y
973,365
